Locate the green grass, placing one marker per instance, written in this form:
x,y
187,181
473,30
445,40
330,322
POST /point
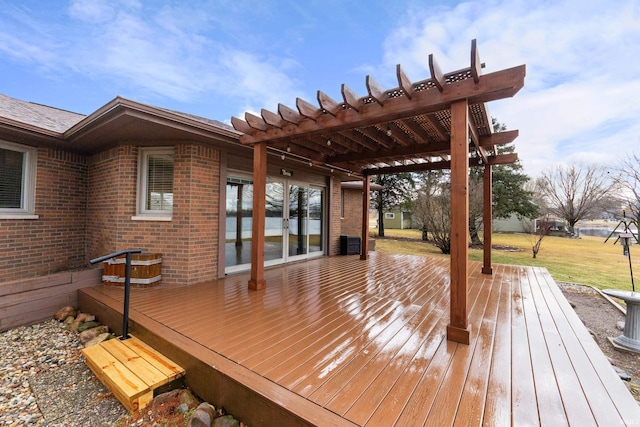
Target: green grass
x,y
587,260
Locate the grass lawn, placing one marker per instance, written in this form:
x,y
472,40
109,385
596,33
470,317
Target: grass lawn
x,y
587,260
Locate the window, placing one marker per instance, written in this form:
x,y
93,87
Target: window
x,y
389,215
17,180
155,183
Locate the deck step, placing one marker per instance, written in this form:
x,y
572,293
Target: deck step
x,y
131,370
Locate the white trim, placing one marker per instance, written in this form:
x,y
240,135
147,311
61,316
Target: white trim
x,y
17,216
150,218
28,202
142,213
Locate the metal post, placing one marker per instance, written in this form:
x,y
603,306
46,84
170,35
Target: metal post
x,y
127,284
633,286
127,288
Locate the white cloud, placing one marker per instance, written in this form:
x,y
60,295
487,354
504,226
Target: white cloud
x,y
166,51
92,11
582,84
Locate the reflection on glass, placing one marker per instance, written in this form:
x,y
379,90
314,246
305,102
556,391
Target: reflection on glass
x,y
239,209
294,216
274,221
316,219
298,214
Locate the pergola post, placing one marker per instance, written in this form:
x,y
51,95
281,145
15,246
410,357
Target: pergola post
x,y
257,281
487,218
366,195
458,329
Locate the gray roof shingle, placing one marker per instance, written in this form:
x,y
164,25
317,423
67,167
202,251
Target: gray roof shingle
x,y
41,116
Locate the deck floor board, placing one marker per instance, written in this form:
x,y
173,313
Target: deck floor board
x,y
366,340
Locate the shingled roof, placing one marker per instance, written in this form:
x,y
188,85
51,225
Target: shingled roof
x,y
38,115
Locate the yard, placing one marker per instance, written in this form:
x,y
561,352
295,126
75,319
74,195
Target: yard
x,y
587,260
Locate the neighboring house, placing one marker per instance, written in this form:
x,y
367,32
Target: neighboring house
x,y
397,218
130,175
513,224
555,226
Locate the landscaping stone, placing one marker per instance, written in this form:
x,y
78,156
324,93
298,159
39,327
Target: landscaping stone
x,y
65,312
203,416
188,398
622,374
87,325
89,334
226,421
97,340
85,317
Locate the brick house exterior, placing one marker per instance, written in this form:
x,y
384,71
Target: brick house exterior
x,y
86,192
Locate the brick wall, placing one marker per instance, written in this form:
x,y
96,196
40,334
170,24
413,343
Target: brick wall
x,y
188,242
56,240
334,217
352,221
197,186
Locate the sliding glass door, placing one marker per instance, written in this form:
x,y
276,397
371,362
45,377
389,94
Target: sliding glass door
x,y
294,222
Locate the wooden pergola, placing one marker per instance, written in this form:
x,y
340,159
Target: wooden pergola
x,y
440,122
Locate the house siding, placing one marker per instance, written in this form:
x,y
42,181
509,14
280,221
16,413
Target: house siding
x,y
352,221
189,242
56,240
335,222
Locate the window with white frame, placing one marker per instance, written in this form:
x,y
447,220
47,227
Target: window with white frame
x,y
389,215
17,179
155,182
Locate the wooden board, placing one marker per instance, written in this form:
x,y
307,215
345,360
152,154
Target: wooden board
x,y
131,370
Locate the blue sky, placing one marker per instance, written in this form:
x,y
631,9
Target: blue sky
x,y
580,103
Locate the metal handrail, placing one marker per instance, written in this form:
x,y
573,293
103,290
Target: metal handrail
x,y
127,284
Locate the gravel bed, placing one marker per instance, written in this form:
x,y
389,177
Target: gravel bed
x,y
600,317
44,381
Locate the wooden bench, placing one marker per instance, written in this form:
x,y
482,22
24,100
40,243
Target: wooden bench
x,y
131,370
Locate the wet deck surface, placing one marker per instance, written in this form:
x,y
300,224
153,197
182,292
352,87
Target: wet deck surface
x,y
366,340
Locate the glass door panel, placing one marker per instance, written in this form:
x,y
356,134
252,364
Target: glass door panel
x,y
274,222
316,220
239,206
298,217
294,222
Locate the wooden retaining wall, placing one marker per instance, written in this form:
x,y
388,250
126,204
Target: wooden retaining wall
x,y
28,301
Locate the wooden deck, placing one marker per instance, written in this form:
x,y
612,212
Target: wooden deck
x,y
340,341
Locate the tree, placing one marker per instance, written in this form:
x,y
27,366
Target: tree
x,y
575,192
510,195
627,179
432,207
537,232
396,192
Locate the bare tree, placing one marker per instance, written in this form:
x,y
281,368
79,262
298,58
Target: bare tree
x,y
432,207
574,192
627,179
510,195
537,230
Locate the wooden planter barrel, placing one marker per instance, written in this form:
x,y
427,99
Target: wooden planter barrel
x,y
145,270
